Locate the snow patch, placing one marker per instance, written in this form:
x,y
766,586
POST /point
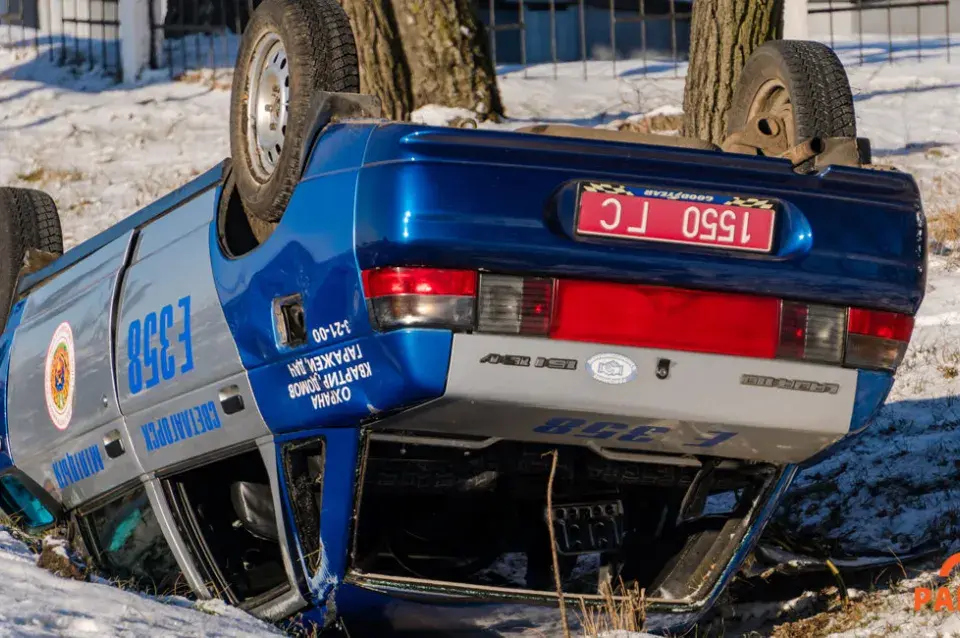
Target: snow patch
x,y
434,115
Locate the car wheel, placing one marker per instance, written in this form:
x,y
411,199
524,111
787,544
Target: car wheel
x,y
801,82
290,49
40,221
12,246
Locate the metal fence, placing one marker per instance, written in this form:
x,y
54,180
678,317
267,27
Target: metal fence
x,y
527,37
198,34
522,32
668,19
863,16
83,34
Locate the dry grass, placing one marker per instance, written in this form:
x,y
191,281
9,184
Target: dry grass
x,y
628,613
42,174
845,618
944,225
222,81
654,124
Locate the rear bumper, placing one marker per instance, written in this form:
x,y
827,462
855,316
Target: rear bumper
x,y
617,399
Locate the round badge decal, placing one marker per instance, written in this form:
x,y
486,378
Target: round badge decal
x,y
60,373
612,369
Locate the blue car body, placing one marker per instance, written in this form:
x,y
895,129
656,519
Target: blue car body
x,y
178,356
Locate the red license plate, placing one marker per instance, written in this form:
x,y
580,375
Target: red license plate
x,y
733,223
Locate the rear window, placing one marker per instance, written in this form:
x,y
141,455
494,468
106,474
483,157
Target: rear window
x,y
21,505
130,545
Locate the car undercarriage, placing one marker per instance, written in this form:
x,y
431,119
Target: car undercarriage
x,y
438,515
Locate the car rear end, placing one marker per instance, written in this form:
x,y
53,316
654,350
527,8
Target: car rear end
x,y
644,342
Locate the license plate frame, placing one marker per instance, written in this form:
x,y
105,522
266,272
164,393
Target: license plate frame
x,y
720,221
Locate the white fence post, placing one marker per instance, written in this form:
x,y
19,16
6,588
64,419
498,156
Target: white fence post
x,y
134,38
159,14
50,16
796,21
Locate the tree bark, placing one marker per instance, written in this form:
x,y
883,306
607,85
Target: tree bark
x,y
723,34
446,45
384,69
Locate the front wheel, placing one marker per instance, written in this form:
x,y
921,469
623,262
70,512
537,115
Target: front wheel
x,y
290,50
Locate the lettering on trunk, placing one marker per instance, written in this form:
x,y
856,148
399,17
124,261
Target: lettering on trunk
x,y
799,385
551,363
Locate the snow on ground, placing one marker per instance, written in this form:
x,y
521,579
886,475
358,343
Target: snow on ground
x,y
34,602
103,150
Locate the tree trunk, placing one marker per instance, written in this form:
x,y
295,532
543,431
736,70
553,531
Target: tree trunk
x,y
723,34
384,70
446,45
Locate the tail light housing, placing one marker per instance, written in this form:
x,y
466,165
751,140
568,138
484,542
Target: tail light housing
x,y
421,298
877,339
515,305
637,315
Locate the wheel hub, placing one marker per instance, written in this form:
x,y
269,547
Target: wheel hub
x,y
773,98
268,79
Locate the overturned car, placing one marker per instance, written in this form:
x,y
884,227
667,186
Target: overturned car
x,y
352,365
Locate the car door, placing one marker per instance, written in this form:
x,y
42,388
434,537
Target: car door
x,y
182,388
65,427
190,411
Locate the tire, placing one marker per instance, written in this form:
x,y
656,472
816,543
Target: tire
x,y
40,221
305,46
12,246
811,80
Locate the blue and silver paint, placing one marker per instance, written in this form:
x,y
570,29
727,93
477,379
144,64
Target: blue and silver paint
x,y
189,320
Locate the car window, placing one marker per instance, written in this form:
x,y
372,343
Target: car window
x,y
226,510
131,546
19,503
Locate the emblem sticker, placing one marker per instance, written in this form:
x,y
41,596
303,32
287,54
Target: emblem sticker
x,y
612,369
59,377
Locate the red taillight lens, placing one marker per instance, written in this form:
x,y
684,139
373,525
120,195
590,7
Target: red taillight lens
x,y
419,281
637,315
658,317
877,340
886,325
421,297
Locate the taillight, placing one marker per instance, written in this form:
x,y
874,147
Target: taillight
x,y
812,332
669,318
515,305
637,315
877,339
421,297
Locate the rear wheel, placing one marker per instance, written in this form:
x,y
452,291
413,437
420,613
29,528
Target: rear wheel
x,y
801,82
40,220
28,222
290,50
11,250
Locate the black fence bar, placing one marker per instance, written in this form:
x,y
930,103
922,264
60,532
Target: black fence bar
x,y
553,36
582,14
613,35
643,18
643,34
673,36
